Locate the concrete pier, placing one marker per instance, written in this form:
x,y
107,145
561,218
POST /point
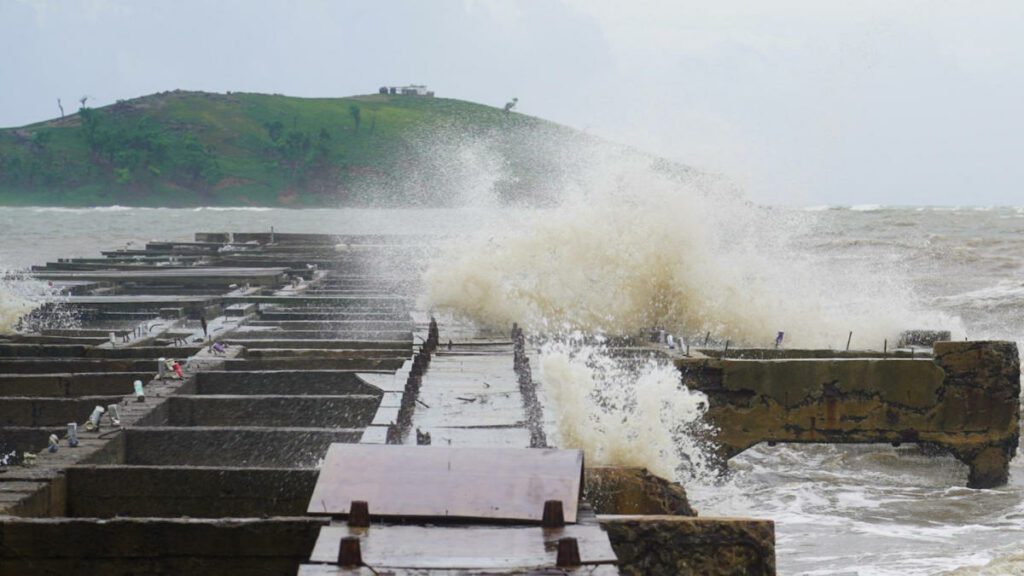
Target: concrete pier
x,y
213,473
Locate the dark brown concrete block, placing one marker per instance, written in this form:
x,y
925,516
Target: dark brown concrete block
x,y
680,546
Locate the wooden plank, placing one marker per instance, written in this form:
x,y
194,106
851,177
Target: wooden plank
x,y
464,547
332,570
448,482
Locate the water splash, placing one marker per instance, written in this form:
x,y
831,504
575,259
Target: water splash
x,y
8,458
30,304
624,411
632,246
19,295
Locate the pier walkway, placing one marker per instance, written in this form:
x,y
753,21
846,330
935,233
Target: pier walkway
x,y
215,472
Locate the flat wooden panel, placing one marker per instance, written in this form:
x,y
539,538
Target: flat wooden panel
x,y
329,570
464,547
438,481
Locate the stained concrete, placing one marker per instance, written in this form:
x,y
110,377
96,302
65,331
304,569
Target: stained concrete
x,y
173,491
52,412
964,399
682,546
286,382
155,547
348,411
628,490
232,447
71,384
46,365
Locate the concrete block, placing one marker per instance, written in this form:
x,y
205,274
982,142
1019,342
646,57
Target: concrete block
x,y
351,411
233,447
628,490
151,491
284,382
966,399
151,547
682,546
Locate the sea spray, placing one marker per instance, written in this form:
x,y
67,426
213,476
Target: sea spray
x,y
19,295
631,246
27,303
623,411
8,458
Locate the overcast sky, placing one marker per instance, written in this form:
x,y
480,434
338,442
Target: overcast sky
x,y
798,101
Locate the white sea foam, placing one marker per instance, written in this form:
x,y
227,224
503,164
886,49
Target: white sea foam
x,y
231,209
60,209
1008,563
866,207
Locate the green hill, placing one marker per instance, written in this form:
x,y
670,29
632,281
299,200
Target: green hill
x,y
194,148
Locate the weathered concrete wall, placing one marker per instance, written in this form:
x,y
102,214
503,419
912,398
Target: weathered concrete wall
x,y
621,490
25,438
323,382
94,384
681,546
402,340
338,348
148,491
248,447
21,411
351,411
802,353
150,547
33,497
982,398
74,365
8,349
966,400
285,361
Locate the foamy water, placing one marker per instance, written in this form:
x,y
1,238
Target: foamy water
x,y
838,510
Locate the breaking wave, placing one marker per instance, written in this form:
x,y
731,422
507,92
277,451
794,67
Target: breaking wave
x,y
631,246
624,412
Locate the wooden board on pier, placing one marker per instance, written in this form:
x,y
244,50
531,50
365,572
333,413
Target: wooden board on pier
x,y
471,547
333,570
448,482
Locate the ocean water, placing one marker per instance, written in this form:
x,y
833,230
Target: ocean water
x,y
693,263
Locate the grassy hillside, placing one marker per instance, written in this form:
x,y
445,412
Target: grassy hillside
x,y
193,148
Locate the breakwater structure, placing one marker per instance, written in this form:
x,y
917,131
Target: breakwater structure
x,y
316,422
960,397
